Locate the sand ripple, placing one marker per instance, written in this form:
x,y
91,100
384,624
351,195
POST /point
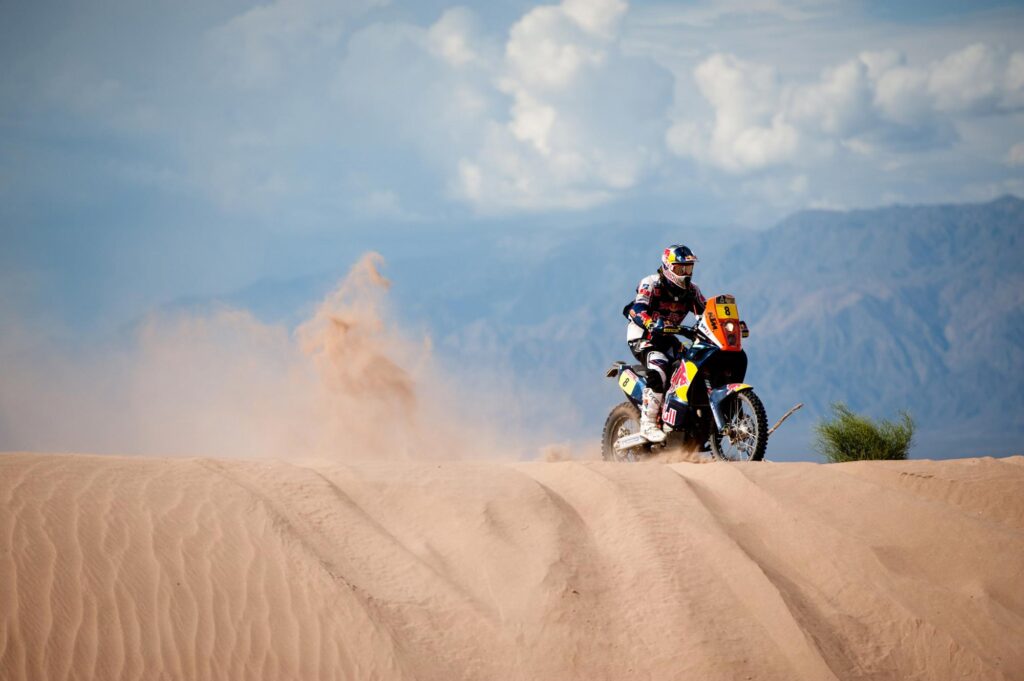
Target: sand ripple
x,y
145,568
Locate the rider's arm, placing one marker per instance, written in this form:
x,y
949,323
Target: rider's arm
x,y
640,312
699,301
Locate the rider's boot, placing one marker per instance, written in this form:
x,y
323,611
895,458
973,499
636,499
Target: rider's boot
x,y
649,417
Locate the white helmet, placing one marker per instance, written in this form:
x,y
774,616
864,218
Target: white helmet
x,y
677,265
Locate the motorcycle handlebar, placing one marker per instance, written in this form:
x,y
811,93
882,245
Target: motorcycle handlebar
x,y
688,331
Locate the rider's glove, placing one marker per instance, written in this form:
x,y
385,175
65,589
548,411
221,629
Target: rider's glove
x,y
658,326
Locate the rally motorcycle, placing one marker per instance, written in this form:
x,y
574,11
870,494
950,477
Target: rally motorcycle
x,y
707,407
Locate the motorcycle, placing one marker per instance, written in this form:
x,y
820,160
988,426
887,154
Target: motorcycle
x,y
707,407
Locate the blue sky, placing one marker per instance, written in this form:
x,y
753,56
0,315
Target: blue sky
x,y
154,150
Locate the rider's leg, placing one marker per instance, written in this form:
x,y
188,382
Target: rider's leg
x,y
657,364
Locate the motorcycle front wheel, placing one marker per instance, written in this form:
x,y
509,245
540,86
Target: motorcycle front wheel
x,y
623,420
744,436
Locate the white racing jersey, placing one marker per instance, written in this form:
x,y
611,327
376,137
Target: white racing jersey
x,y
656,299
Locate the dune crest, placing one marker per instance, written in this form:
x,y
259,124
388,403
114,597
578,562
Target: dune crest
x,y
145,568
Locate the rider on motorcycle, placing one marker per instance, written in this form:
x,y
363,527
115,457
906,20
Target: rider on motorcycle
x,y
662,302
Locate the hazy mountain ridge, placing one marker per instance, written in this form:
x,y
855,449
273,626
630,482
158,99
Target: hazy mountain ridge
x,y
925,303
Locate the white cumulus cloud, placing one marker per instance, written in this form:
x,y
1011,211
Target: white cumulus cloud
x,y
550,115
749,130
577,129
876,102
454,37
967,79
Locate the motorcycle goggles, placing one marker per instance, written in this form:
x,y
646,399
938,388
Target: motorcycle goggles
x,y
682,268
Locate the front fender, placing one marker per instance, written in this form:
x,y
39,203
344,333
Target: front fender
x,y
718,396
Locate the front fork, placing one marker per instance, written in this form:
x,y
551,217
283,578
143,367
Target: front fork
x,y
716,413
716,396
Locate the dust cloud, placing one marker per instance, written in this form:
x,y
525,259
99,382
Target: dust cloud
x,y
344,385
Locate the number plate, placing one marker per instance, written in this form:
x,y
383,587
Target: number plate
x,y
727,311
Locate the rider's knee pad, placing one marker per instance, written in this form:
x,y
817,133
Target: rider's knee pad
x,y
656,372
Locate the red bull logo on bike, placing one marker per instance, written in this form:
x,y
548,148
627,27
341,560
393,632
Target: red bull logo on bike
x,y
668,414
682,379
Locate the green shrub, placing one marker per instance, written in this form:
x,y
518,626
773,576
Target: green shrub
x,y
850,437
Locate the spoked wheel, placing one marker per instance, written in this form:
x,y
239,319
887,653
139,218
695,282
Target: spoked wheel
x,y
623,420
745,434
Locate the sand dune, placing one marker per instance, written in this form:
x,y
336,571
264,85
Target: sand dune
x,y
145,568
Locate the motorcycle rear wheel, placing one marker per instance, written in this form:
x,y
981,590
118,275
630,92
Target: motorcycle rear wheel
x,y
623,420
745,435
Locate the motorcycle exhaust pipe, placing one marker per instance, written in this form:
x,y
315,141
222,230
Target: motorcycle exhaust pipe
x,y
629,441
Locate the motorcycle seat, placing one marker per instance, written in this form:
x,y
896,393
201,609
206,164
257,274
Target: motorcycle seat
x,y
639,370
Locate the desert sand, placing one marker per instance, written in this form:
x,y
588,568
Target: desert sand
x,y
157,568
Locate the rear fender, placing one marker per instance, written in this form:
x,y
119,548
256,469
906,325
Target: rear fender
x,y
615,369
719,395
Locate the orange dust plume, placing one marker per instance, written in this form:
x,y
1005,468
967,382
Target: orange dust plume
x,y
345,385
